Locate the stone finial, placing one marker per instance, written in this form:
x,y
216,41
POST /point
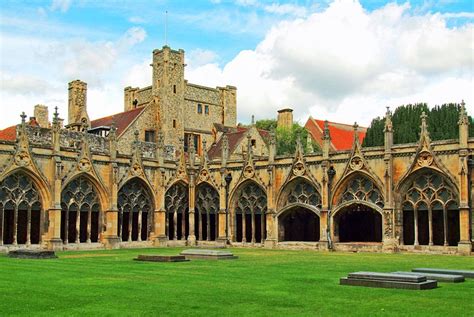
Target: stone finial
x,y
204,149
388,121
249,143
309,143
253,120
356,132
191,150
56,116
225,149
136,134
160,140
463,118
424,124
23,118
326,133
299,146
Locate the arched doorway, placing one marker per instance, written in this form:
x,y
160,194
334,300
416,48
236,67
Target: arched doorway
x,y
298,223
206,215
135,205
430,211
177,212
250,206
80,212
359,219
358,223
300,203
20,210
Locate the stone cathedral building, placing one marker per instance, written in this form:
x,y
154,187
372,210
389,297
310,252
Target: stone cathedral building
x,y
174,169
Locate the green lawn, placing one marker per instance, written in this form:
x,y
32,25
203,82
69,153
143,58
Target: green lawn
x,y
259,283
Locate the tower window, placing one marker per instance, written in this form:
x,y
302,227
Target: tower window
x,y
150,136
199,108
206,109
174,123
174,89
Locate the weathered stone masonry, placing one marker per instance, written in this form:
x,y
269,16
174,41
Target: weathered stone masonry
x,y
68,190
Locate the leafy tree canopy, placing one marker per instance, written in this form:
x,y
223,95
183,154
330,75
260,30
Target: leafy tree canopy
x,y
442,124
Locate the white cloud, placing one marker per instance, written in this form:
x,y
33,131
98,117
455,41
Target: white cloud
x,y
60,5
286,9
347,64
199,57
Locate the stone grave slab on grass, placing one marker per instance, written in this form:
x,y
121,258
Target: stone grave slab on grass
x,y
32,254
449,278
161,258
208,254
465,273
388,280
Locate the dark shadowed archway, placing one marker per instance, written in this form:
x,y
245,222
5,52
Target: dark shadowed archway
x,y
298,224
206,215
358,223
135,205
177,211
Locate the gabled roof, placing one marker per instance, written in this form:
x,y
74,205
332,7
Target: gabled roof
x,y
234,139
342,135
121,120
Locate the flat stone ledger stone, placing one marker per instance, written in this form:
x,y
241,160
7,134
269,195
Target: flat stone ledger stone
x,y
161,258
388,280
465,273
208,254
448,278
32,254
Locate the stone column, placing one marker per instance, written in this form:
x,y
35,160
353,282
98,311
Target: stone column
x,y
28,227
430,225
1,225
271,238
445,226
139,238
88,235
192,205
244,227
221,235
253,227
110,237
415,215
323,217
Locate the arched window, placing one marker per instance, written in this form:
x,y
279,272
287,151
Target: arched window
x,y
135,206
20,210
250,209
80,211
206,216
177,209
361,188
430,211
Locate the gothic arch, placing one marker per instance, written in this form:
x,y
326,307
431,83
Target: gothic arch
x,y
135,206
177,211
81,211
358,212
20,210
249,206
429,205
358,187
206,213
300,190
42,187
98,186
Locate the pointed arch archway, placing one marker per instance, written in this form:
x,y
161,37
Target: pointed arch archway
x,y
206,216
135,206
430,210
249,207
177,211
81,211
299,205
358,212
20,209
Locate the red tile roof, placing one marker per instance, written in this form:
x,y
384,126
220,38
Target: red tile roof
x,y
8,134
121,120
342,135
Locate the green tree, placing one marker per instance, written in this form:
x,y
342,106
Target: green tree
x,y
442,124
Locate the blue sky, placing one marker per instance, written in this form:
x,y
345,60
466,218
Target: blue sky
x,y
322,58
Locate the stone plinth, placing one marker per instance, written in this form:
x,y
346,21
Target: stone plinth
x,y
448,278
32,254
389,280
208,254
465,273
161,258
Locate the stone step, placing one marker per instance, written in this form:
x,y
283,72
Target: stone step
x,y
208,254
387,277
465,273
449,278
428,284
32,254
161,258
